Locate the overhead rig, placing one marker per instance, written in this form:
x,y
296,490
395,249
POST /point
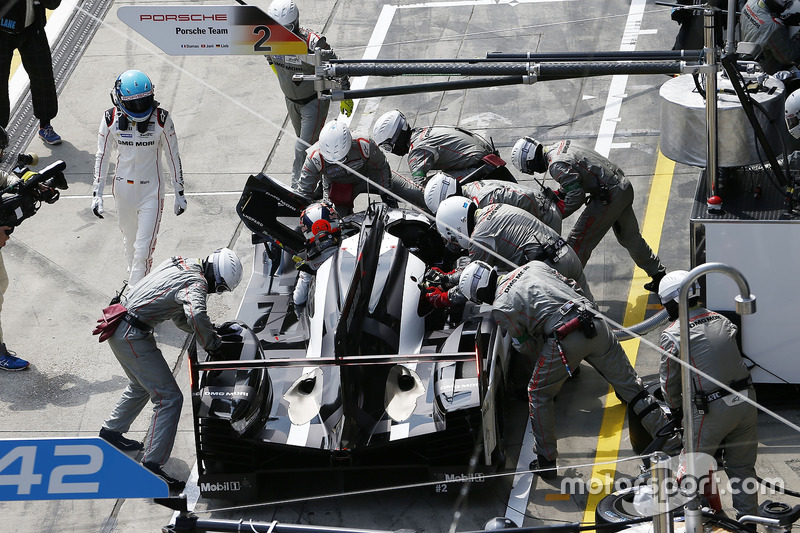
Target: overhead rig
x,y
497,69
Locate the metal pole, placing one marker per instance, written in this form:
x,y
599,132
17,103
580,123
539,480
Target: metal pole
x,y
662,514
730,43
692,55
693,517
555,69
711,103
745,305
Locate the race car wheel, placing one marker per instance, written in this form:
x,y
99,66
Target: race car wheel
x,y
499,453
613,509
617,508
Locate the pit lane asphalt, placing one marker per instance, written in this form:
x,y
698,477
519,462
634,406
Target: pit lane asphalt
x,y
65,264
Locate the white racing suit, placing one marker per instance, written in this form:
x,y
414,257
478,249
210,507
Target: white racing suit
x,y
448,148
487,192
139,182
176,290
531,303
760,26
728,421
307,112
587,177
312,264
341,186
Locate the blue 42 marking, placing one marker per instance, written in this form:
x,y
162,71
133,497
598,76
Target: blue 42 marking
x,y
70,469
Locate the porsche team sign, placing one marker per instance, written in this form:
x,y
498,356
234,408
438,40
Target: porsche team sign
x,y
211,30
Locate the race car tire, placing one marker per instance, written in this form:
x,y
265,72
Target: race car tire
x,y
614,509
611,509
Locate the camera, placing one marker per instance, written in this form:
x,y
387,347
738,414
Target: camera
x,y
23,199
24,160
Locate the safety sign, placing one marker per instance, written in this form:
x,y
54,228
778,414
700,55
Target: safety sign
x,y
72,469
211,30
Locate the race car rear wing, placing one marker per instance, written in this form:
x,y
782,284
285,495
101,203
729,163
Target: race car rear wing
x,y
263,201
335,361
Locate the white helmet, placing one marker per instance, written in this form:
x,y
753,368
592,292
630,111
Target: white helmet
x,y
528,156
455,220
285,13
387,129
478,282
226,269
440,187
792,114
670,286
335,142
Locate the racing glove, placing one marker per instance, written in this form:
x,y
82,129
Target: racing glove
x,y
559,194
97,206
389,200
791,19
438,298
346,107
97,198
446,280
180,203
229,329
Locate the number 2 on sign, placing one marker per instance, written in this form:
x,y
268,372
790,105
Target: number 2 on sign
x,y
265,33
25,478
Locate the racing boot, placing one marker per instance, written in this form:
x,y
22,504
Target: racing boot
x,y
119,442
173,484
544,468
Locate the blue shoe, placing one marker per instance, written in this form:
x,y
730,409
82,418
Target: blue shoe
x,y
48,135
9,360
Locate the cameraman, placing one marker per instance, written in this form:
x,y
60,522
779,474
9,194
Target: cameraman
x,y
8,359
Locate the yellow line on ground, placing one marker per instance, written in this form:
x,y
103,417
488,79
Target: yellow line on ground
x,y
608,441
16,61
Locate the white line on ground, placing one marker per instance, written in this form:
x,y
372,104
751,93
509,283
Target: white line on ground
x,y
518,499
616,92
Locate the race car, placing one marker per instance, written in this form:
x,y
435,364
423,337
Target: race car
x,y
366,385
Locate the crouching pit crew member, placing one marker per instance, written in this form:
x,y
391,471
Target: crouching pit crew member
x,y
586,177
509,232
486,192
335,158
177,289
555,327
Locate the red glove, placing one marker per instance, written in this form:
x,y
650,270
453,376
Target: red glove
x,y
561,206
438,298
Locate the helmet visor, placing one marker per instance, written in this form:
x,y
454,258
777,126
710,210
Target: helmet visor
x,y
220,285
138,104
792,121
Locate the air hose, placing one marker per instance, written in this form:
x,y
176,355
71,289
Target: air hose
x,y
642,328
777,488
